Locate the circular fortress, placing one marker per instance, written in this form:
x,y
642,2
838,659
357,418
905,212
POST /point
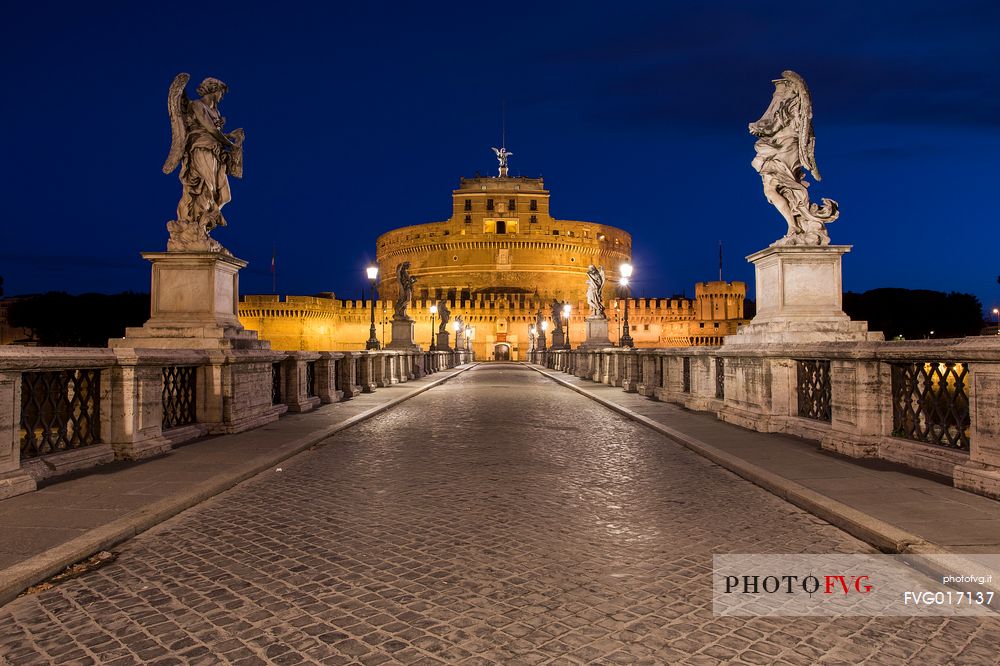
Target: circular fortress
x,y
501,239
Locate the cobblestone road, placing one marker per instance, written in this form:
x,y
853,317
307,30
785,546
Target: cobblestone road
x,y
498,518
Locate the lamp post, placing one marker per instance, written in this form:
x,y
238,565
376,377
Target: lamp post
x,y
468,335
532,334
541,336
471,335
434,310
372,338
625,270
567,308
456,326
996,313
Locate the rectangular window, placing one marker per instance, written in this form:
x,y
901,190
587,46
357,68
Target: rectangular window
x,y
468,204
555,232
534,219
468,219
512,204
489,204
645,327
534,204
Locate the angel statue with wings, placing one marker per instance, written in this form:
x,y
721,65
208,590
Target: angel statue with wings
x,y
445,315
406,282
786,149
207,156
502,155
595,290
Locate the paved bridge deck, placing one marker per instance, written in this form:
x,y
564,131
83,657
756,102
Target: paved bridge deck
x,y
496,518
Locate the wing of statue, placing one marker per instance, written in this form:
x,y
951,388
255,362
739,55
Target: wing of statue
x,y
177,102
807,139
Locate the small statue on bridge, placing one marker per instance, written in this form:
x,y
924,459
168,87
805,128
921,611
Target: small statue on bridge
x,y
445,315
556,312
206,157
595,291
406,282
786,148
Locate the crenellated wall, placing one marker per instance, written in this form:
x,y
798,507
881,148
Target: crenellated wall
x,y
302,323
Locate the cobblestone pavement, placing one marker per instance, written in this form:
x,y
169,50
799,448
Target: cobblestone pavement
x,y
498,518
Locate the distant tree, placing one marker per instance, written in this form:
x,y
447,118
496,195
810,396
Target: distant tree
x,y
914,313
58,319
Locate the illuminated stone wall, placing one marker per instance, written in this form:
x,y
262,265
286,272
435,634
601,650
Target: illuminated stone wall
x,y
308,323
497,260
501,239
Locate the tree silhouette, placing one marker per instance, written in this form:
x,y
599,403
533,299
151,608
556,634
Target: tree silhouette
x,y
58,319
914,313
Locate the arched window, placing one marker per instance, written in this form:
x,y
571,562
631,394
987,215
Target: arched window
x,y
501,227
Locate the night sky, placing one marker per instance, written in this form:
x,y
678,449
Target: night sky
x,y
360,117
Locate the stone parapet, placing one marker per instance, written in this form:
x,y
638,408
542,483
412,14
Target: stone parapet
x,y
933,405
65,410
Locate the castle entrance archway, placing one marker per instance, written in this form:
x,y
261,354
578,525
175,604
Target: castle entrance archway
x,y
501,352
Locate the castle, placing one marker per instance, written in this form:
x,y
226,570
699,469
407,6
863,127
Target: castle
x,y
499,259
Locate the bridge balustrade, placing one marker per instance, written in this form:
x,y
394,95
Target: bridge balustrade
x,y
68,409
932,405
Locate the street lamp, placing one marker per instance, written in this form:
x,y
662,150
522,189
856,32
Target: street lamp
x,y
456,326
434,311
532,335
468,336
541,336
372,338
625,270
565,313
996,313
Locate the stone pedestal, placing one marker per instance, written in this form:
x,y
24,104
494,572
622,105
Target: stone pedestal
x,y
193,305
442,341
597,333
558,340
799,298
402,335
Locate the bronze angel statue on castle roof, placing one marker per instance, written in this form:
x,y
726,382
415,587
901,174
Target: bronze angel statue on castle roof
x,y
207,156
786,149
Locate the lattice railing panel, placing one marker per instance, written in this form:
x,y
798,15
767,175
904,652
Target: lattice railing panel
x,y
310,379
686,374
276,383
814,390
60,411
720,378
179,396
930,403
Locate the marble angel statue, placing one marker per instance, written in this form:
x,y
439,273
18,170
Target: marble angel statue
x,y
207,157
595,290
406,282
445,315
785,151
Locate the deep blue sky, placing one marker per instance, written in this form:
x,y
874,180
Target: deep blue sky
x,y
360,117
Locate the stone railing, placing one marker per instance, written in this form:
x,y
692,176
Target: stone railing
x,y
932,405
67,409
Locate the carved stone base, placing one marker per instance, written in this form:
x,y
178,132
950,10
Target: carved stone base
x,y
597,333
978,478
558,341
15,483
442,341
193,304
800,297
402,335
